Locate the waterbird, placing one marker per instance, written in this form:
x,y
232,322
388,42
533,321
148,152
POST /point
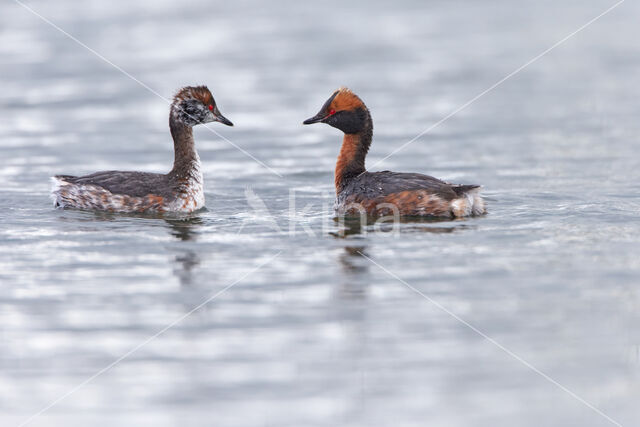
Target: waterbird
x,y
360,192
180,190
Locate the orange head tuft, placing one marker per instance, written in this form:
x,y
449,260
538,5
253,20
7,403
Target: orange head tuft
x,y
345,100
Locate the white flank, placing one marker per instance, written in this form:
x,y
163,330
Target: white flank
x,y
56,183
470,204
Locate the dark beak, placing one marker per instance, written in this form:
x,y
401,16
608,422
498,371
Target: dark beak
x,y
315,119
322,115
222,119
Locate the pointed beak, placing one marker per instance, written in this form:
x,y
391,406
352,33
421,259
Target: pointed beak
x,y
220,118
315,119
322,114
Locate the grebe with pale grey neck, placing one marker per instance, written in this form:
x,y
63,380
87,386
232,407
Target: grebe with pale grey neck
x,y
180,190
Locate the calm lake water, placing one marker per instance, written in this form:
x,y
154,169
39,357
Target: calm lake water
x,y
320,335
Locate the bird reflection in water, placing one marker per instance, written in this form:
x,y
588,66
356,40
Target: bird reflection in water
x,y
355,269
356,226
186,261
184,229
352,259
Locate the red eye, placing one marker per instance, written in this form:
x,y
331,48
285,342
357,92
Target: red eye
x,y
210,107
332,112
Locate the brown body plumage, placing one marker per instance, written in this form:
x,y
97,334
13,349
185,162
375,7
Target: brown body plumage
x,y
180,190
385,193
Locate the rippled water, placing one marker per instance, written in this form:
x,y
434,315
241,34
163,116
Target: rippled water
x,y
320,335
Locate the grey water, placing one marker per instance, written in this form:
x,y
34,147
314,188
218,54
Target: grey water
x,y
527,316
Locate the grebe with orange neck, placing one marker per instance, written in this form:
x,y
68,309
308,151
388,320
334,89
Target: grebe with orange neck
x,y
383,193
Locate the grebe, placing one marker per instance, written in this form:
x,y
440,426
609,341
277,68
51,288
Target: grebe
x,y
385,193
180,190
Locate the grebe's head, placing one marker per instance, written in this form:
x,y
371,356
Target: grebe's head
x,y
344,111
194,105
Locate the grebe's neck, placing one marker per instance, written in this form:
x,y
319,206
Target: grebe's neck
x,y
185,156
354,149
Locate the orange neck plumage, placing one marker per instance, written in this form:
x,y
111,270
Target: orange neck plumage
x,y
347,159
352,155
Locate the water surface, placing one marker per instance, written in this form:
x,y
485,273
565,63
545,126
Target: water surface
x,y
320,335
